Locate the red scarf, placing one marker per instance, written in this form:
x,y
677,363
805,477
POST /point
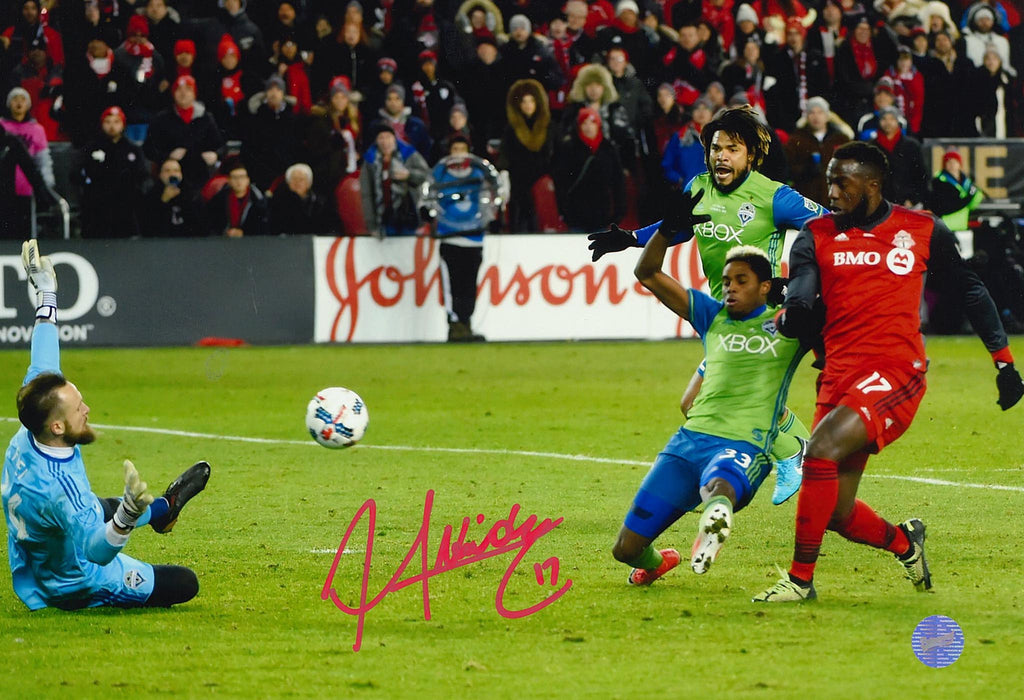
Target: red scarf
x,y
182,70
141,48
864,57
624,28
185,114
888,143
585,114
235,208
231,87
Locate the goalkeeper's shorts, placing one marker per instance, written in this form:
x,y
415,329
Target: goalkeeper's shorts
x,y
124,583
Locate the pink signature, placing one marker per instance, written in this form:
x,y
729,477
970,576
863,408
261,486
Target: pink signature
x,y
504,536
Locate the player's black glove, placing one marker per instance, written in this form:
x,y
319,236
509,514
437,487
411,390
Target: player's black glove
x,y
680,218
611,241
1010,386
777,294
805,324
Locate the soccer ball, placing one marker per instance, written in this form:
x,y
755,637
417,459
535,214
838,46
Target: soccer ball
x,y
337,417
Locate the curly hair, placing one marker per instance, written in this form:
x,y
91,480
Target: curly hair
x,y
742,123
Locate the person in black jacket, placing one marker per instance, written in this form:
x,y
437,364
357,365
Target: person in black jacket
x,y
239,209
172,206
112,174
589,183
907,183
187,133
297,208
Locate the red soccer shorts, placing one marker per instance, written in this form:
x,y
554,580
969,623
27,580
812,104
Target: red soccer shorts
x,y
885,399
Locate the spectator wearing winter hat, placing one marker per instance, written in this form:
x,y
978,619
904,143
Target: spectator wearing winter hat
x,y
433,97
399,118
246,35
187,133
333,138
458,127
595,89
111,178
747,26
589,184
272,135
390,181
292,69
981,36
20,123
953,193
373,97
909,88
526,56
907,182
44,82
999,110
810,148
142,93
860,61
626,32
228,92
886,95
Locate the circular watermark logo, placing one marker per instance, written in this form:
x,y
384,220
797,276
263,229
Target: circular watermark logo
x,y
937,641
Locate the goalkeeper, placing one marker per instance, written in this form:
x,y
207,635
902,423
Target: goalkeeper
x,y
720,457
64,543
745,208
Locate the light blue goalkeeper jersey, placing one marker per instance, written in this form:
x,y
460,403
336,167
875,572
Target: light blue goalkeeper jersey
x,y
56,536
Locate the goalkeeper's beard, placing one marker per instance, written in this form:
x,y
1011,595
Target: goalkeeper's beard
x,y
84,436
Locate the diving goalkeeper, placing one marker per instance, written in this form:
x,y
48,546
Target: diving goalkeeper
x,y
64,543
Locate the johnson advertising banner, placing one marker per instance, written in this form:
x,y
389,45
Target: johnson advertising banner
x,y
166,292
532,287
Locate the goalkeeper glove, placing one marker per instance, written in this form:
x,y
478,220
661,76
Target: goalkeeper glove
x,y
680,218
1009,383
43,279
611,241
136,498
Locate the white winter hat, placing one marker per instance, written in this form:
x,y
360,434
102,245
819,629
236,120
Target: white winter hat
x,y
18,91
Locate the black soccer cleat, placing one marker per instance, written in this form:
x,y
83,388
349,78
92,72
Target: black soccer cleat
x,y
914,563
180,492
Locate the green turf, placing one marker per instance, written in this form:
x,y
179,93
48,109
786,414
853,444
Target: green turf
x,y
262,536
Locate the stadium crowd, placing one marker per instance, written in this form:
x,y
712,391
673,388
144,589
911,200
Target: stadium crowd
x,y
222,117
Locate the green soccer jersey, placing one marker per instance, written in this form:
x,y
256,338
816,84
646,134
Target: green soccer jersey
x,y
749,368
757,213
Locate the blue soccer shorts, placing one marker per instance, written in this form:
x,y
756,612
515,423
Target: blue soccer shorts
x,y
689,461
124,583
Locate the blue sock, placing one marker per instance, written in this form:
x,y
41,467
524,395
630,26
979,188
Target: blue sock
x,y
158,510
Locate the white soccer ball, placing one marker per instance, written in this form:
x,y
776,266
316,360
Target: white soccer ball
x,y
337,417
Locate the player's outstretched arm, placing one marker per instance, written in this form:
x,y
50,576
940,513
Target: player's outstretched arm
x,y
648,271
945,262
45,352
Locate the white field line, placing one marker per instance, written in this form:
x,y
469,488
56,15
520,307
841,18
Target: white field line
x,y
475,450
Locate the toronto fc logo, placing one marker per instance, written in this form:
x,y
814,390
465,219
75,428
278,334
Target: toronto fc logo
x,y
903,240
746,213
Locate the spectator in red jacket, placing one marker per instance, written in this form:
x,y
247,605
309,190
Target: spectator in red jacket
x,y
19,36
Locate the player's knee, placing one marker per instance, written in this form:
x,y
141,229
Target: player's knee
x,y
173,585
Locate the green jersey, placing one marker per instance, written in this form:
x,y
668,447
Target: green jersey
x,y
749,368
757,213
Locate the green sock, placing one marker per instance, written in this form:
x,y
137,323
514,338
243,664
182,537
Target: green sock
x,y
649,559
786,444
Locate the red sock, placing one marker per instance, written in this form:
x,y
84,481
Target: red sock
x,y
815,504
867,527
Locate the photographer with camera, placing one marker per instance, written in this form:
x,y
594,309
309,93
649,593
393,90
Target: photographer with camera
x,y
172,206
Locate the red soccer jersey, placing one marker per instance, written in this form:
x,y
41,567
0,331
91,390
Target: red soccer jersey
x,y
871,284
